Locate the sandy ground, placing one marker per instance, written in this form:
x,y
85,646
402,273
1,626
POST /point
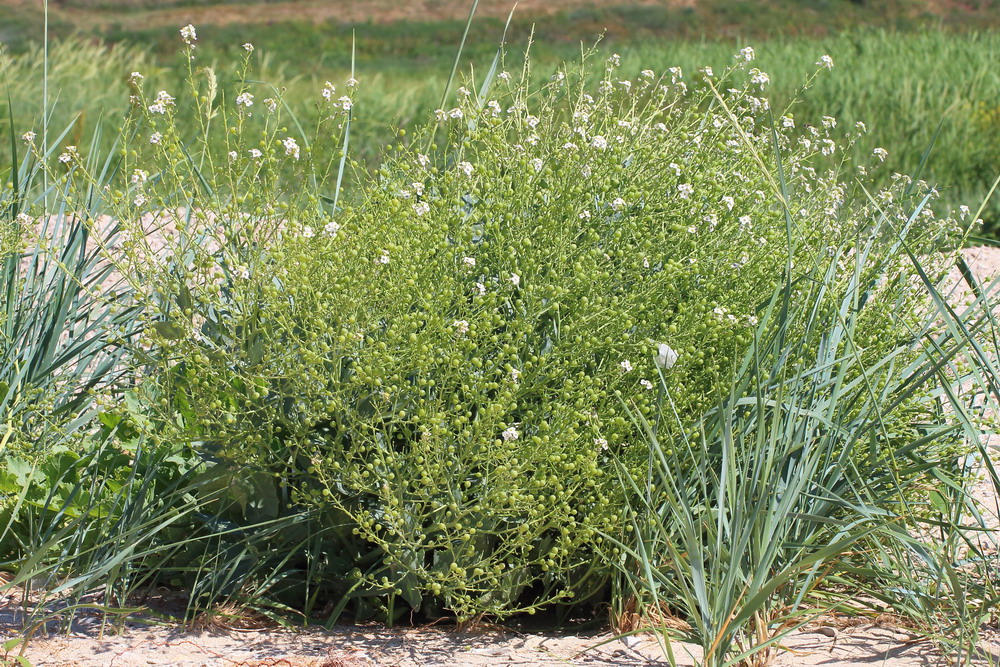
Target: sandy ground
x,y
831,643
350,646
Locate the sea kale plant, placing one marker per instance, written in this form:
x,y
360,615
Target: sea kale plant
x,y
434,357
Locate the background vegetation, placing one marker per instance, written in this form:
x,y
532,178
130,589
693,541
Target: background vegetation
x,y
902,68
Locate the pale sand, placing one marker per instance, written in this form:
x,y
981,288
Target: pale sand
x,y
349,646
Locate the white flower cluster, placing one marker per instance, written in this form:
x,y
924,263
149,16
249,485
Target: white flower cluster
x,y
189,35
291,147
162,101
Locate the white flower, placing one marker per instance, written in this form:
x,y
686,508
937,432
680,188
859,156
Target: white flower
x,y
532,121
503,76
685,190
383,258
155,138
139,177
466,167
424,160
537,164
965,211
601,443
232,155
461,327
645,262
245,99
759,78
346,103
646,383
626,366
511,434
569,145
455,113
665,357
68,156
469,261
255,154
618,203
881,154
745,223
291,147
786,121
746,53
829,122
752,320
162,101
615,60
28,137
241,272
248,47
825,61
308,232
421,207
188,34
135,77
331,228
599,142
515,374
24,219
729,202
626,84
585,215
515,279
648,73
861,126
139,200
270,104
481,288
352,82
828,147
328,90
707,71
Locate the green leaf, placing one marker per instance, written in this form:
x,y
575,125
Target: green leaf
x,y
168,331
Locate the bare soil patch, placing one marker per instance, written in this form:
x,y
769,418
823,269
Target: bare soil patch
x,y
319,11
826,645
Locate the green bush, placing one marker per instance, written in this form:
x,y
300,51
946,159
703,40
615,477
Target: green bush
x,y
432,359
